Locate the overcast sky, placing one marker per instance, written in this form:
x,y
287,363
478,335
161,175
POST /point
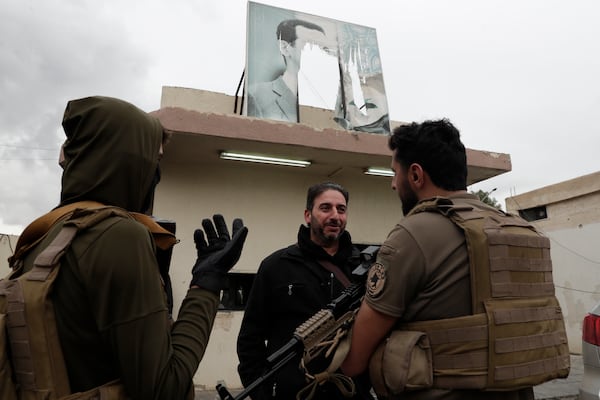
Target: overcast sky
x,y
517,77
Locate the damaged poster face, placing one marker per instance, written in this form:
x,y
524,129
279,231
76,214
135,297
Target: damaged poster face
x,y
294,58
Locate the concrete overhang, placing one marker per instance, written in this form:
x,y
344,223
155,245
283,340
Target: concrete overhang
x,y
200,136
581,186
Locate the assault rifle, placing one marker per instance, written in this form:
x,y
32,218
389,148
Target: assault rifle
x,y
322,326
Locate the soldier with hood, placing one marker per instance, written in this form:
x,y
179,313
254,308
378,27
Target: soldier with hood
x,y
108,297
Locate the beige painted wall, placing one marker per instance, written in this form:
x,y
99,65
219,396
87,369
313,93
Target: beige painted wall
x,y
575,258
271,200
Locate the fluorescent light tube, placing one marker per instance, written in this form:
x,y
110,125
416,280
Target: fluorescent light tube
x,y
379,171
225,155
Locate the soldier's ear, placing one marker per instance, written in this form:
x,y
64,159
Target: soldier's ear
x,y
416,174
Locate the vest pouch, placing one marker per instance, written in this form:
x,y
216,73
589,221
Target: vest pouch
x,y
7,385
527,342
402,362
8,389
112,390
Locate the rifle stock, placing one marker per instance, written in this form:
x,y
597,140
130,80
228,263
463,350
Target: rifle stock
x,y
339,314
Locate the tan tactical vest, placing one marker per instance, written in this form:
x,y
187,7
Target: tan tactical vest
x,y
516,336
31,361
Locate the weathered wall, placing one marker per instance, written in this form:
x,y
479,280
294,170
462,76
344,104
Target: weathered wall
x,y
7,245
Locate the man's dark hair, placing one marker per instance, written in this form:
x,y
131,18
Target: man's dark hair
x,y
319,188
436,146
286,30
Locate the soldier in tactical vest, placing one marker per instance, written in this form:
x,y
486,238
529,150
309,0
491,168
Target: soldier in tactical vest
x,y
103,327
460,301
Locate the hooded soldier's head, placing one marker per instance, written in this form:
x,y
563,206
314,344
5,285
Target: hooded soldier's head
x,y
111,153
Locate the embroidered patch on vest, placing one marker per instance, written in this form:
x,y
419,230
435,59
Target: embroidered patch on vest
x,y
375,280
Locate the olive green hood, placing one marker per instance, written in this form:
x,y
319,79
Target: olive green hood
x,y
111,153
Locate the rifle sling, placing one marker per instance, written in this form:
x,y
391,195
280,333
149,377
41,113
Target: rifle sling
x,y
337,272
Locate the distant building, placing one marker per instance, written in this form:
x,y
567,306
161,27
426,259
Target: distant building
x,y
569,214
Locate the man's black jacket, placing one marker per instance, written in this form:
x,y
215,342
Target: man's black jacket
x,y
290,286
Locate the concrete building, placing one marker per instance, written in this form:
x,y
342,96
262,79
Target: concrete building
x,y
569,214
196,183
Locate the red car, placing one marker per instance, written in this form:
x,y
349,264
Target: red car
x,y
590,351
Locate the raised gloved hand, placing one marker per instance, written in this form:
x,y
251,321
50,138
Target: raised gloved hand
x,y
217,253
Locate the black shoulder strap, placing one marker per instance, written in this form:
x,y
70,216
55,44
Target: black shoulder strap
x,y
337,272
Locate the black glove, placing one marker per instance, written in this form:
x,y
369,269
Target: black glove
x,y
218,253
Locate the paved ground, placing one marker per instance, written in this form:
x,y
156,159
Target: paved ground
x,y
559,389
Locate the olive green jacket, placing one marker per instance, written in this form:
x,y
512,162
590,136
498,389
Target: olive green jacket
x,y
109,302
